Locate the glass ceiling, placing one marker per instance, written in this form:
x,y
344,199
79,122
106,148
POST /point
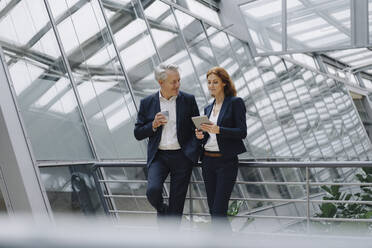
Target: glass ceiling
x,y
353,57
352,61
310,24
202,10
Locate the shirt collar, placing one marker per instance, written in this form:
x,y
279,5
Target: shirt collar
x,y
173,98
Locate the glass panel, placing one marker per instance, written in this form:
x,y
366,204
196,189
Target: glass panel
x,y
170,44
46,100
227,58
349,128
198,190
101,83
318,23
304,58
263,98
200,50
135,185
257,141
71,190
208,13
367,83
301,114
353,57
264,21
135,46
21,22
2,5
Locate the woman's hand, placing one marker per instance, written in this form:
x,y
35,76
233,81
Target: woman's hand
x,y
199,134
210,128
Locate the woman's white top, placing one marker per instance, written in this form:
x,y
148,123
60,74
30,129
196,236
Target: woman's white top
x,y
212,144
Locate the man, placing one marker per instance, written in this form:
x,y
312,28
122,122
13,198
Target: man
x,y
165,118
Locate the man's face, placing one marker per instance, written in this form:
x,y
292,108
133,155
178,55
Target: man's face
x,y
171,85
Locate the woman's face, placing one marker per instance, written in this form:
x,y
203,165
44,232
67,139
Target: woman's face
x,y
215,85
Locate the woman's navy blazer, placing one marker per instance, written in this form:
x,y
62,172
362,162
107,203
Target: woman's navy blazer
x,y
233,126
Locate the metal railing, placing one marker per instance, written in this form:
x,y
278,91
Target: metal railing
x,y
308,199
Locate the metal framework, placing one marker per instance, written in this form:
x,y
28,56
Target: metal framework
x,y
285,107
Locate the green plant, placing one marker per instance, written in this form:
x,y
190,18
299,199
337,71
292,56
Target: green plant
x,y
348,209
234,208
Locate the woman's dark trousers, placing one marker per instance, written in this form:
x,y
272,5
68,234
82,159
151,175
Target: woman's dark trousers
x,y
219,174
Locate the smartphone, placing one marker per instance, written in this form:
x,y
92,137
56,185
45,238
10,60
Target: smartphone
x,y
165,113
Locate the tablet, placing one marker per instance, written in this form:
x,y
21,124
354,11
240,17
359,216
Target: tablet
x,y
198,120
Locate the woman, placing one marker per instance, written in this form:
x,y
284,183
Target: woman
x,y
222,141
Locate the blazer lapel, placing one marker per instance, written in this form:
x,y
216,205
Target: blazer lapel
x,y
208,113
157,110
179,102
225,103
209,109
157,103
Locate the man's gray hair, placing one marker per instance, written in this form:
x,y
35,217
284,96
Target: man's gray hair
x,y
160,70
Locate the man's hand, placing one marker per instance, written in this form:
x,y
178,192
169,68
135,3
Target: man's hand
x,y
199,134
159,120
210,128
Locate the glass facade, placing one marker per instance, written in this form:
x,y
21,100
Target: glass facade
x,y
43,88
79,71
293,112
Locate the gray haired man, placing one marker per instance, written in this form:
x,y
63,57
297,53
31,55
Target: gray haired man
x,y
165,119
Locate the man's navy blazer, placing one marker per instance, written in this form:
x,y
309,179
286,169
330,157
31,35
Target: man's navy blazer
x,y
186,108
233,126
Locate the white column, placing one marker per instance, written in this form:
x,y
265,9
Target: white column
x,y
21,184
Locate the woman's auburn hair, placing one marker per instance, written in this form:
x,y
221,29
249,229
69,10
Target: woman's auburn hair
x,y
220,72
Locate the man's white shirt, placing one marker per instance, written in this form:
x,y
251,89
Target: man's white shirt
x,y
169,139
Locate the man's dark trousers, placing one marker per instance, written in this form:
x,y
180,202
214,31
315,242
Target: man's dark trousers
x,y
179,167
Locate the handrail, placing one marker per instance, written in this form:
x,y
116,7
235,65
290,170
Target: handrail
x,y
244,163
